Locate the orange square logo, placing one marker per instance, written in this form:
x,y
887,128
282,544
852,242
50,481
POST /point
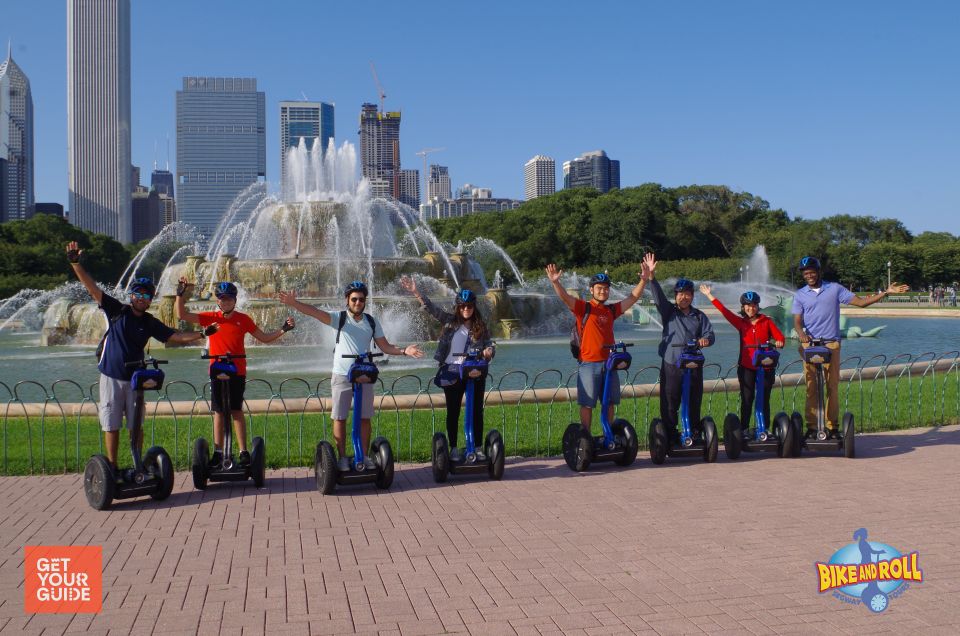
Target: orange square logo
x,y
62,579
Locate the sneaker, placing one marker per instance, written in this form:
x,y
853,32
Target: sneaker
x,y
216,459
343,465
369,463
481,457
244,459
810,434
119,477
456,454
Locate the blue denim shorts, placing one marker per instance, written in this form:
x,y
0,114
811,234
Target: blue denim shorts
x,y
590,385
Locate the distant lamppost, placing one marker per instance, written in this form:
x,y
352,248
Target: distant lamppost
x,y
746,272
741,273
888,274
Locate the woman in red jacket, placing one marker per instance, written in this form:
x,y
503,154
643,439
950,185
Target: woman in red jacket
x,y
754,328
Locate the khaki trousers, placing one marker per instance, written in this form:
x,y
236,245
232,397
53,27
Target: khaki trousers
x,y
831,372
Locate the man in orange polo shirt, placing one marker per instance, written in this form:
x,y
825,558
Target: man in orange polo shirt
x,y
233,326
596,333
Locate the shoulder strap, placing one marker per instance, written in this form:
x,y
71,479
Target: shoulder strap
x,y
583,321
343,321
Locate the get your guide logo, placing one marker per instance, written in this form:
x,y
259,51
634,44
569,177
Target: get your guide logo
x,y
868,572
62,579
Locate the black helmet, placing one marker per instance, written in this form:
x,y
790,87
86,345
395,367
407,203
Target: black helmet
x,y
225,289
750,298
809,262
466,297
142,286
600,279
683,284
356,286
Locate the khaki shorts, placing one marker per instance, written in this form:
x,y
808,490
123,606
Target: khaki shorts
x,y
117,400
341,394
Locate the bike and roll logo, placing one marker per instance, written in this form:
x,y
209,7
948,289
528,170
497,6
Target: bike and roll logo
x,y
868,573
62,579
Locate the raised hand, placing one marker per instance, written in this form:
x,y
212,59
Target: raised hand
x,y
209,330
409,284
74,252
183,285
897,288
650,264
553,273
288,324
288,298
705,290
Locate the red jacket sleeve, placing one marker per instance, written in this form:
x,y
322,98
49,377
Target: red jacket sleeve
x,y
732,318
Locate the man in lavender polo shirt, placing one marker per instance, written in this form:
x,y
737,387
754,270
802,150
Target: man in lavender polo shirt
x,y
816,314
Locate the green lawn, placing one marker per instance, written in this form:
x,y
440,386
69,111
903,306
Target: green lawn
x,y
55,444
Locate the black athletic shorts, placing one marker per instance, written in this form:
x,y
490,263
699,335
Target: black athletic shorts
x,y
237,385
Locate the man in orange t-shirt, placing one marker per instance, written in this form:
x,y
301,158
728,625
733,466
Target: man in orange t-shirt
x,y
233,326
597,333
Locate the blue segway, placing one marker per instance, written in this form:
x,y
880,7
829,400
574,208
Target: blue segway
x,y
362,371
822,439
619,440
229,469
473,369
691,443
781,438
153,474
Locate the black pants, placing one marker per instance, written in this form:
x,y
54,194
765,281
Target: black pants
x,y
454,394
748,384
671,392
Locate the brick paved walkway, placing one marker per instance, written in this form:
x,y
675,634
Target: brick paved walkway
x,y
681,548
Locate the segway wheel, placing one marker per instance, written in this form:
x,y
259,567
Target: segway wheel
x,y
625,431
258,461
381,451
570,438
849,430
797,421
98,482
201,464
440,458
710,440
325,468
658,441
785,437
732,436
158,462
496,455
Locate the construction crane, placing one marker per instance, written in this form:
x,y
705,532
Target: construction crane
x,y
423,153
376,80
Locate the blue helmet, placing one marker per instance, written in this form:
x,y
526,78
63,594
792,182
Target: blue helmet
x,y
356,286
225,289
750,298
809,262
600,279
466,297
142,286
683,284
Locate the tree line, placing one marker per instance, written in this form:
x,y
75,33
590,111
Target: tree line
x,y
705,232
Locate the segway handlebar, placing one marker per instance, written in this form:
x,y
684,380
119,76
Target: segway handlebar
x,y
762,345
361,356
221,356
619,345
690,344
143,364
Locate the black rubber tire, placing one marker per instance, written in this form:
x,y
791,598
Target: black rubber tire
x,y
158,462
98,482
440,458
711,442
797,421
381,451
732,436
584,451
659,441
496,454
849,433
783,428
258,461
201,464
325,468
625,431
569,444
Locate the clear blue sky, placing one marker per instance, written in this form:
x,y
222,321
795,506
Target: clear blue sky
x,y
819,107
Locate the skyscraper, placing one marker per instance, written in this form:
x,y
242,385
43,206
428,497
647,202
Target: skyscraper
x,y
593,170
162,181
307,121
380,148
438,187
410,188
539,177
221,146
16,140
98,116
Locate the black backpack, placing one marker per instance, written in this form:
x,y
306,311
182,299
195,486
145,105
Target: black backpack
x,y
103,339
343,321
575,334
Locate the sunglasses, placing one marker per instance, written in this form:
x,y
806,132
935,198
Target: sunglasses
x,y
357,299
141,296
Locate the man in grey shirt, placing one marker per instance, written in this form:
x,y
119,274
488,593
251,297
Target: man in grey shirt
x,y
358,330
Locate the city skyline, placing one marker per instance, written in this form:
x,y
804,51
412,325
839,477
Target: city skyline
x,y
820,109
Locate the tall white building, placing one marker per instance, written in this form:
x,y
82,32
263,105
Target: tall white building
x,y
539,177
438,187
410,187
98,116
16,141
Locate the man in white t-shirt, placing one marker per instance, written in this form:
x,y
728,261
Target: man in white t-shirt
x,y
355,331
